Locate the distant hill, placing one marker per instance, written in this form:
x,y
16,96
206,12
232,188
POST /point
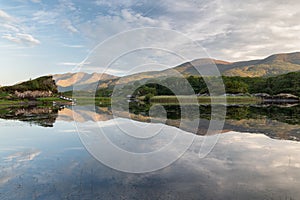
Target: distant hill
x,y
65,82
273,65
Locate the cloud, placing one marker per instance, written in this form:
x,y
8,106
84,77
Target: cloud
x,y
67,4
22,38
69,26
103,3
23,156
230,30
247,29
15,31
105,26
5,16
69,63
10,27
73,46
27,38
15,161
58,16
114,4
45,17
11,38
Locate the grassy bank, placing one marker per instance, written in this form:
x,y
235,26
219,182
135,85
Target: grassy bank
x,y
175,100
4,102
93,101
26,102
205,100
103,101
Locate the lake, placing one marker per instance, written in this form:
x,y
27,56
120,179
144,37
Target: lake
x,y
54,153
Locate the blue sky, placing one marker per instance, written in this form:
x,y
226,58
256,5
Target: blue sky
x,y
40,37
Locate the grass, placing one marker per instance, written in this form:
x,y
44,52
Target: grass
x,y
102,101
93,100
3,94
50,99
205,100
4,102
174,100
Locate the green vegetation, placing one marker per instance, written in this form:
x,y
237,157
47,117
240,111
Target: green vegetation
x,y
44,101
102,92
203,100
289,115
4,103
45,83
264,69
39,92
99,101
165,90
287,83
41,115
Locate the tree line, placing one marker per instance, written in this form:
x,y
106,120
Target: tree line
x,y
287,83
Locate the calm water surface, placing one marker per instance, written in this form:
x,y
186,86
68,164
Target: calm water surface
x,y
257,157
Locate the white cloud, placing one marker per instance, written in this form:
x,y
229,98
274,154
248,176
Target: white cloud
x,y
36,1
69,26
22,156
11,38
45,17
67,4
10,27
22,38
103,3
15,31
5,16
116,3
73,46
57,16
105,26
27,38
68,63
230,30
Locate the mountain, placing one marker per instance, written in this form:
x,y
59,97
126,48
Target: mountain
x,y
271,66
65,82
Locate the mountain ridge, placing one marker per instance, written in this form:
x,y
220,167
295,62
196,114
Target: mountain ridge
x,y
272,65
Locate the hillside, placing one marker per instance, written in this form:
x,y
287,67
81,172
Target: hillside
x,y
281,84
273,65
65,82
44,83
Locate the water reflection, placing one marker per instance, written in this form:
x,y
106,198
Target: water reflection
x,y
276,121
51,163
42,116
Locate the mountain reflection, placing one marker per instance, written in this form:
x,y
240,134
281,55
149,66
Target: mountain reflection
x,y
280,121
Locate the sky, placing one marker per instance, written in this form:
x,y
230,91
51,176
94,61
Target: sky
x,y
41,37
